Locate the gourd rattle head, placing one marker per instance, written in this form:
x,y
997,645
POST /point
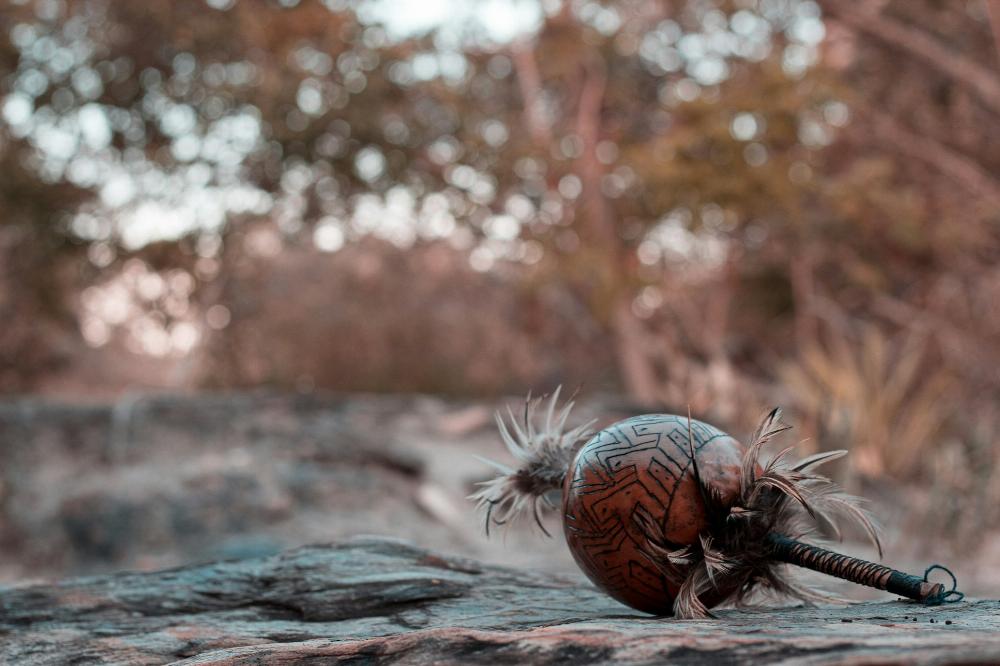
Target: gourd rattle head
x,y
635,472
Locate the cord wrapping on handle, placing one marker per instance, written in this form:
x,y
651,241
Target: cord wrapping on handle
x,y
859,571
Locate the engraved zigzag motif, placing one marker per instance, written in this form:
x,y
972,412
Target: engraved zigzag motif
x,y
636,463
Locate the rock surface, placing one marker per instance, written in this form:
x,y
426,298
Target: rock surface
x,y
159,481
379,600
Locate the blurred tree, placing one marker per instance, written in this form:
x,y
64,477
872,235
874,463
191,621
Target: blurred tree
x,y
924,89
628,113
37,269
707,181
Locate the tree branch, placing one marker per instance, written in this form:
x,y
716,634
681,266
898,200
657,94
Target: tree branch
x,y
984,82
958,167
993,11
530,82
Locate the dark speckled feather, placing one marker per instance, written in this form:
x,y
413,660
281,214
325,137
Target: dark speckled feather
x,y
733,555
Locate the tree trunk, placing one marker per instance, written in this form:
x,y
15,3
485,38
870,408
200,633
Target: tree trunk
x,y
634,361
993,9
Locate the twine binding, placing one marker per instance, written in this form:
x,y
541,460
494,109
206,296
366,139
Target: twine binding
x,y
951,596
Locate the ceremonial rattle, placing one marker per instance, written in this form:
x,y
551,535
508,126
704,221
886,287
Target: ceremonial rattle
x,y
672,516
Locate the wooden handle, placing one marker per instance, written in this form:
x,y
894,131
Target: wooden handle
x,y
856,570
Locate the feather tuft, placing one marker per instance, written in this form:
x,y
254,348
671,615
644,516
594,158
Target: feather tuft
x,y
544,449
688,604
731,559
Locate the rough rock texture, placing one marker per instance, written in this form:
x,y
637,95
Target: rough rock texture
x,y
379,600
159,481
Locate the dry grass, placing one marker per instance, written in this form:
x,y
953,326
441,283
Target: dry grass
x,y
882,397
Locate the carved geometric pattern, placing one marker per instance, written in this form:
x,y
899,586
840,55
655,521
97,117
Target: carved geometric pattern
x,y
642,462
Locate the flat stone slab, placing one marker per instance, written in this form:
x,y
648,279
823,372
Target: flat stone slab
x,y
373,600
